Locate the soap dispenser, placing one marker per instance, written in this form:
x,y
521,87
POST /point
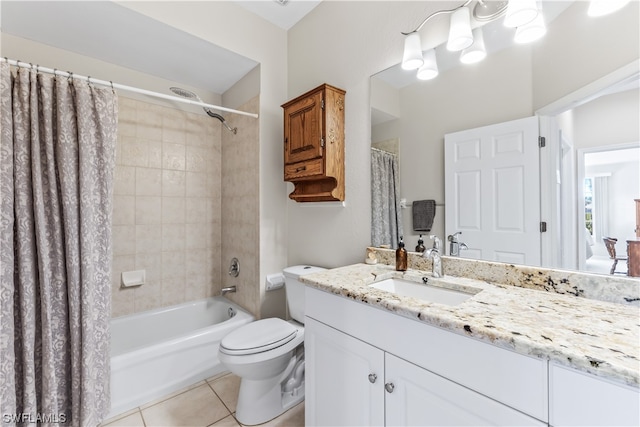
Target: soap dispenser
x,y
420,247
401,257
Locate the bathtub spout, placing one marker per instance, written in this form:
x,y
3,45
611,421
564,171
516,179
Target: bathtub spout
x,y
227,290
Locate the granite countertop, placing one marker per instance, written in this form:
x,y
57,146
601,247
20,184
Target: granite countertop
x,y
598,337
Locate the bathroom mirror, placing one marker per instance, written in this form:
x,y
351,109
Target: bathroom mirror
x,y
513,82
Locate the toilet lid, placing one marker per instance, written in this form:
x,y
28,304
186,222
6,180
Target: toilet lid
x,y
259,336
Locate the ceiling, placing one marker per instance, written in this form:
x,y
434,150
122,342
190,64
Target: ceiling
x,y
283,14
87,28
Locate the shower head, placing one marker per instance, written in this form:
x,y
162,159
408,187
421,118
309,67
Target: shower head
x,y
222,119
190,95
184,93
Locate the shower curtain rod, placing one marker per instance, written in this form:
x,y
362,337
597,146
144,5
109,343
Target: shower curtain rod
x,y
90,79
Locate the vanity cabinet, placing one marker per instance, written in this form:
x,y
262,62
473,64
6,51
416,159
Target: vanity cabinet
x,y
314,145
366,366
579,399
344,378
349,382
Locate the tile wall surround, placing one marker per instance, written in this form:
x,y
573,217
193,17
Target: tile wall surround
x,y
167,216
241,207
616,289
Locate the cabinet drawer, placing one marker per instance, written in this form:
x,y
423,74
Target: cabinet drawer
x,y
303,170
579,399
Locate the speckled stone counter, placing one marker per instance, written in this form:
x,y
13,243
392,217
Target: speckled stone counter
x,y
610,288
595,336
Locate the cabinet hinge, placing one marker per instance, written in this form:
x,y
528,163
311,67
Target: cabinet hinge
x,y
321,141
543,227
542,141
322,103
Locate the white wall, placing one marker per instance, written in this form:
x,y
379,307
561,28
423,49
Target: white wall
x,y
611,119
624,187
565,61
343,43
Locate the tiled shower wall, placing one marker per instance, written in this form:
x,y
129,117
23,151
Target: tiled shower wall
x,y
241,207
167,198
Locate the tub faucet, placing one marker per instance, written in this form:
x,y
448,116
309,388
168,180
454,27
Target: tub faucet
x,y
227,290
433,254
454,245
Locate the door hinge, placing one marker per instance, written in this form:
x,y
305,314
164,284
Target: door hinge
x,y
322,103
321,141
542,141
543,227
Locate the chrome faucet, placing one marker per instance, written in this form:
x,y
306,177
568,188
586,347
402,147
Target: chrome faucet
x,y
433,254
454,245
227,290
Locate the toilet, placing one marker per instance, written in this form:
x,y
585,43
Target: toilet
x,y
268,356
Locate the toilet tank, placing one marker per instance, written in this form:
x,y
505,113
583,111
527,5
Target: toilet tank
x,y
295,289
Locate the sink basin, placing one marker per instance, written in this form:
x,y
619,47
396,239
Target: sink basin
x,y
421,291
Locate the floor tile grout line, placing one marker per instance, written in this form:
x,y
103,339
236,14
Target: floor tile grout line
x,y
171,396
144,422
221,400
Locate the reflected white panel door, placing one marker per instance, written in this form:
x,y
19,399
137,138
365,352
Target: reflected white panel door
x,y
492,191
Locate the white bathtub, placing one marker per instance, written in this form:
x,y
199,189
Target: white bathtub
x,y
156,352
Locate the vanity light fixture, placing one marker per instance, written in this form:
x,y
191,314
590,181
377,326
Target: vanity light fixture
x,y
460,36
531,31
605,7
412,57
520,12
429,69
476,52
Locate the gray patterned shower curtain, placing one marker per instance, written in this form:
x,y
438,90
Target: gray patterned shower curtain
x,y
386,216
57,157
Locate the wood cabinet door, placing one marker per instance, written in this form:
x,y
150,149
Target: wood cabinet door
x,y
344,379
417,397
303,129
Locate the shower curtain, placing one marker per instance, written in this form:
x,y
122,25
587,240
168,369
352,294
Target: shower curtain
x,y
57,157
386,217
601,207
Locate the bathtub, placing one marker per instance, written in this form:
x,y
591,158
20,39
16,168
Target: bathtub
x,y
156,352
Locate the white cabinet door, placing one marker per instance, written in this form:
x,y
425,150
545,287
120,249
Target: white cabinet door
x,y
579,399
492,191
418,397
344,379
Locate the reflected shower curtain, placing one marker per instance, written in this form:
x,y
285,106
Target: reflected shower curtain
x,y
57,157
601,207
386,217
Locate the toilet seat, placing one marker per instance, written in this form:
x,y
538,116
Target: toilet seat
x,y
257,337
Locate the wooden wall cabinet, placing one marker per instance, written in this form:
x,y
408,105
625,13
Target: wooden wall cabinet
x,y
637,217
314,145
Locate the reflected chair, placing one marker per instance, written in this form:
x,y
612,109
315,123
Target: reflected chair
x,y
610,243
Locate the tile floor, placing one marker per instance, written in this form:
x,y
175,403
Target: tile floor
x,y
207,403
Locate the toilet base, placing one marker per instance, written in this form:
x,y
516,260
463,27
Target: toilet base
x,y
258,408
260,401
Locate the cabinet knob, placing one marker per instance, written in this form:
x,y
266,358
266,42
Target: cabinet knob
x,y
301,168
389,387
372,378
